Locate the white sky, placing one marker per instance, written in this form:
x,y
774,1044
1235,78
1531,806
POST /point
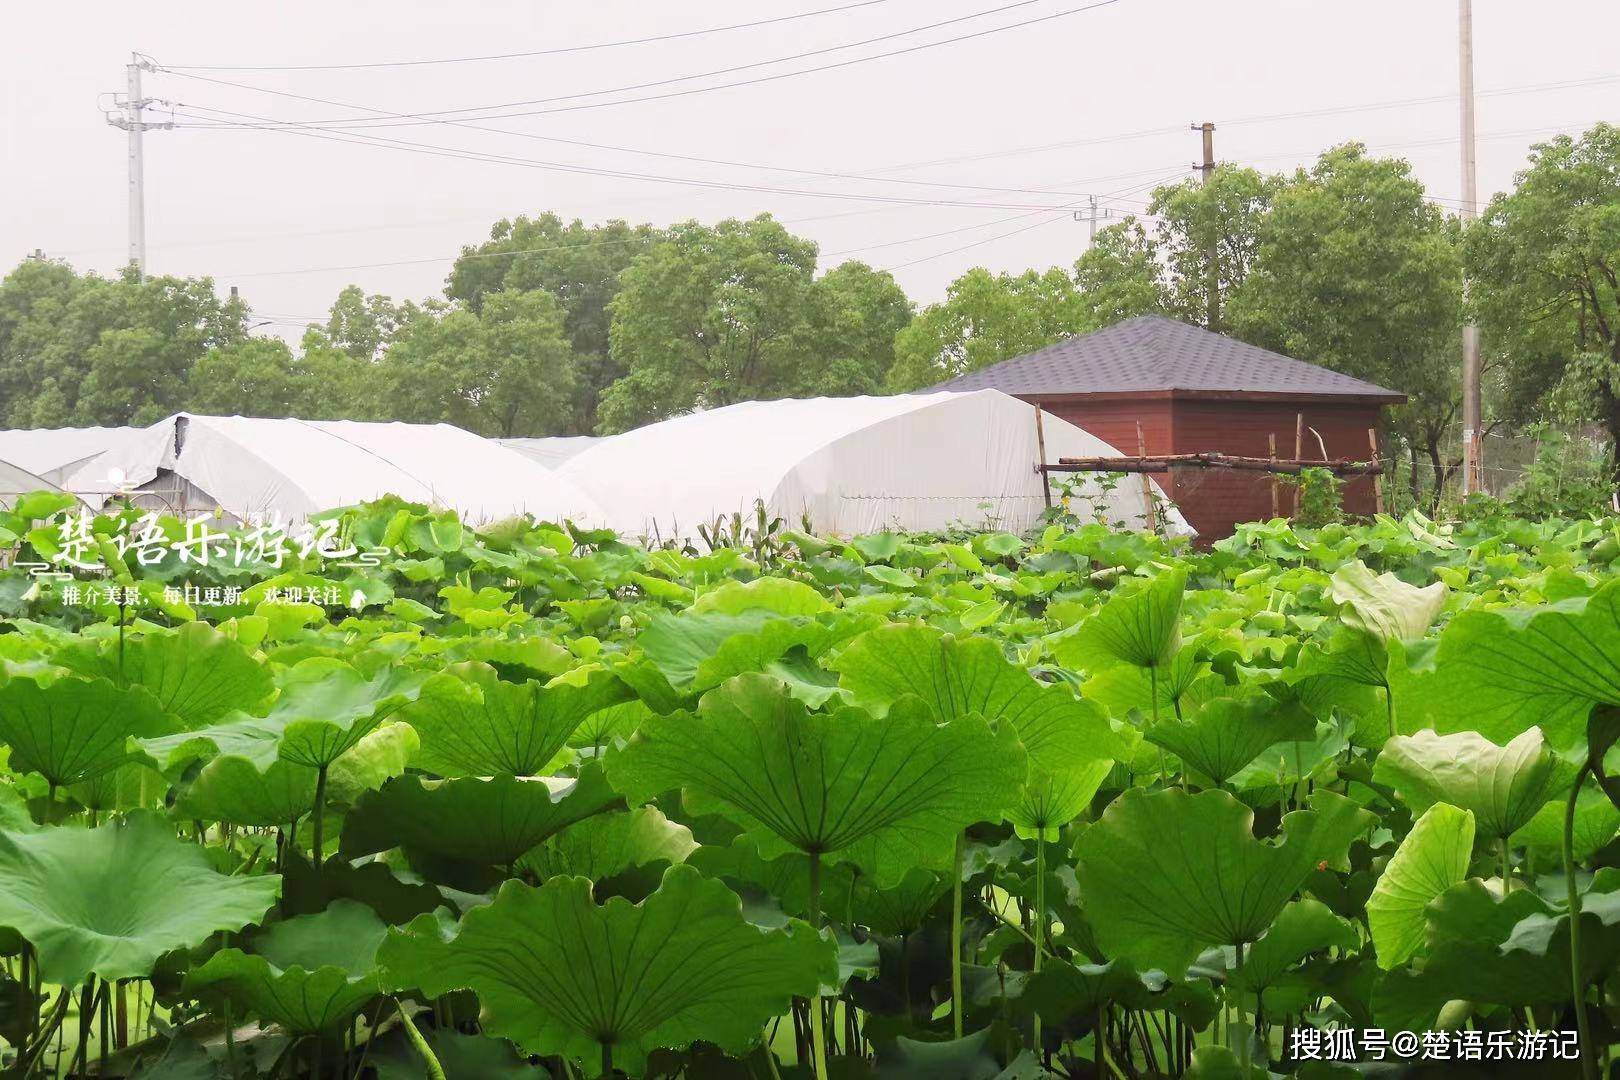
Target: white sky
x,y
274,212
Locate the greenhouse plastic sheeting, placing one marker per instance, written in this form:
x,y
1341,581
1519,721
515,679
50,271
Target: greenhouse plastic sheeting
x,y
16,481
551,451
914,462
256,468
54,454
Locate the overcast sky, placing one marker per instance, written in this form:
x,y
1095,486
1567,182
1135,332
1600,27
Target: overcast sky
x,y
1099,101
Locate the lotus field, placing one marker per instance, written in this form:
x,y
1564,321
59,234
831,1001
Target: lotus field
x,y
527,801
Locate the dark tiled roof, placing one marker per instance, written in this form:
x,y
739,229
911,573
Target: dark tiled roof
x,y
1151,352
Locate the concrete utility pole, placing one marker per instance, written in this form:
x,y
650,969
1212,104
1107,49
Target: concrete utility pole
x,y
132,120
1213,285
1090,216
1473,471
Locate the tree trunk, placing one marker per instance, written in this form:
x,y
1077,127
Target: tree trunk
x,y
1439,465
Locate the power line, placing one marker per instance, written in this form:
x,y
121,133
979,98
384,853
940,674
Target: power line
x,y
534,52
418,119
801,172
436,150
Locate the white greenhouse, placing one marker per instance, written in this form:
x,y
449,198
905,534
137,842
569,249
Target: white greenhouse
x,y
286,468
915,462
552,450
54,454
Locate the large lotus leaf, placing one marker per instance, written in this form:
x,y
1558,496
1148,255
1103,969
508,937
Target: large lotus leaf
x,y
70,730
506,727
1596,822
1183,684
1500,673
1513,950
888,792
308,891
970,677
1385,606
131,786
1139,625
462,1057
1052,798
776,890
558,974
233,789
487,821
698,651
1228,733
613,724
196,673
1431,859
1064,992
1166,874
1349,655
608,844
1301,928
324,708
309,974
781,596
111,900
1503,786
900,908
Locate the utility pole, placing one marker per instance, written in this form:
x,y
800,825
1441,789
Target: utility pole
x,y
1212,286
132,120
1473,475
1090,216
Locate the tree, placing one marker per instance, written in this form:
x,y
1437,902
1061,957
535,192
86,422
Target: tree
x,y
1545,261
82,349
717,315
1355,271
986,318
1120,276
1226,211
862,310
578,264
362,325
503,371
257,377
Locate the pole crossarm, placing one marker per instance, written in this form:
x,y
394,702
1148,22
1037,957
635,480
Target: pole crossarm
x,y
1209,460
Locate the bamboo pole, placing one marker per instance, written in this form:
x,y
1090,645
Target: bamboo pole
x,y
1210,460
1378,477
1275,509
1148,512
1299,455
1040,448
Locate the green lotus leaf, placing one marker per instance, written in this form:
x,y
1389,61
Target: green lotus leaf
x,y
549,966
132,786
780,596
1166,874
1500,673
232,788
1064,992
196,673
310,973
462,1057
1431,859
1139,625
959,677
71,730
1597,820
111,900
1503,786
1385,606
1228,733
890,793
324,708
487,821
605,727
609,844
901,908
506,727
698,651
1302,927
1052,798
1184,683
1513,950
775,890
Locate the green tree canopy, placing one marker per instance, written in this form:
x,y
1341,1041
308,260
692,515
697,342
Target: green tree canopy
x,y
1545,259
715,315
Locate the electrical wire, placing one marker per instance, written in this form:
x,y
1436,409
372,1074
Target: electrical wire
x,y
536,52
418,119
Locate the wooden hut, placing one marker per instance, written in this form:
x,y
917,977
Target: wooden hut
x,y
1153,386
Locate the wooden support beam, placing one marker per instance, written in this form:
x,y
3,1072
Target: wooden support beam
x,y
1276,507
1147,485
1299,454
1166,462
1040,450
1378,477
